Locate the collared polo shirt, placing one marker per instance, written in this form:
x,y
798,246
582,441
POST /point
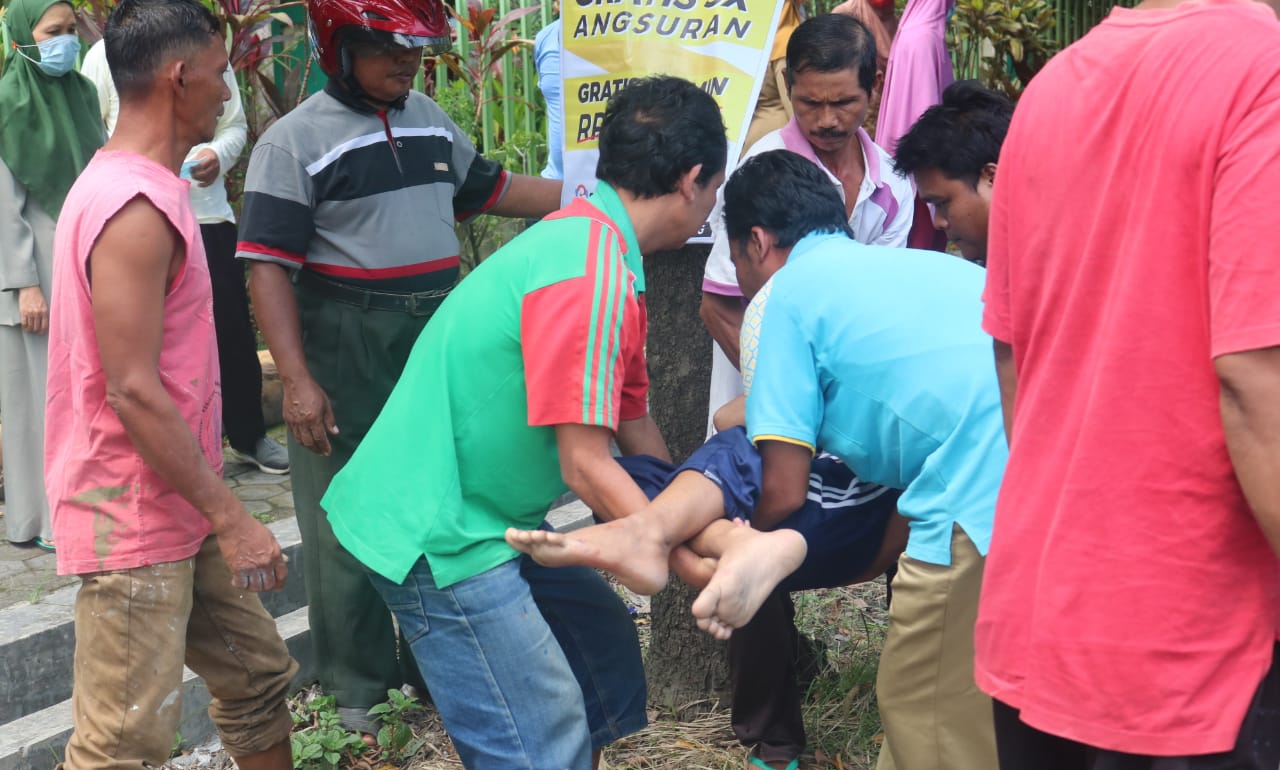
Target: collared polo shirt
x,y
550,330
877,356
365,198
882,210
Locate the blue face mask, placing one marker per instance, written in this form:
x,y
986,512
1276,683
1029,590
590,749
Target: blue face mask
x,y
57,54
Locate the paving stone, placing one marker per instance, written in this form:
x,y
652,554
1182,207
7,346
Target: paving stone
x,y
257,506
45,562
258,477
283,500
64,596
11,552
256,492
8,568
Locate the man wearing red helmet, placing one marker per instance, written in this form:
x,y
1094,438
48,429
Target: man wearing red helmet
x,y
349,208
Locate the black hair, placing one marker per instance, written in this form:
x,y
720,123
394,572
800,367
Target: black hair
x,y
832,42
141,34
959,136
786,195
654,131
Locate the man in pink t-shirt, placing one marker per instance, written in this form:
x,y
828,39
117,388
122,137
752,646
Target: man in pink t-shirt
x,y
1131,603
169,559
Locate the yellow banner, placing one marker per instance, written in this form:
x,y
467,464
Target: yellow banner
x,y
721,45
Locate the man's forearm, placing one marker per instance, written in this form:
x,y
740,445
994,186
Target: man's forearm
x,y
276,310
166,444
722,315
1251,423
642,437
529,196
593,475
784,482
606,488
1007,376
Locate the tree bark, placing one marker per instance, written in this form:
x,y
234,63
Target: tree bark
x,y
685,666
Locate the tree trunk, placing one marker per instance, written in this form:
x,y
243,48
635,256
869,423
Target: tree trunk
x,y
685,666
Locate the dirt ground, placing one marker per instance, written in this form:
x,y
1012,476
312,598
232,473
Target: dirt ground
x,y
847,625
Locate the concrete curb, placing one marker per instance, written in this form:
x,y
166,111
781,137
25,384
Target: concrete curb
x,y
36,741
37,641
37,646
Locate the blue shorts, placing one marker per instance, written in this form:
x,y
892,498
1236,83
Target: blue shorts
x,y
843,519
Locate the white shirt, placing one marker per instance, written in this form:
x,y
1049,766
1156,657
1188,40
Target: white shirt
x,y
882,215
210,203
882,211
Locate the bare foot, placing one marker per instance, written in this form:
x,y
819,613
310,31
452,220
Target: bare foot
x,y
634,554
694,570
750,568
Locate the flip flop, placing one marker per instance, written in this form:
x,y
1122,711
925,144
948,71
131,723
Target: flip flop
x,y
45,544
755,761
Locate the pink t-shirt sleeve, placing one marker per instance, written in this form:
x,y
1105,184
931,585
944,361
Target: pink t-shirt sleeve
x,y
995,296
1244,271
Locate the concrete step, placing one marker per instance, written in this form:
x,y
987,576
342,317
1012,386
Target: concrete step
x,y
37,641
37,646
37,741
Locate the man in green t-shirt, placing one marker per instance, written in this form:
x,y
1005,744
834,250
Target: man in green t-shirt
x,y
513,394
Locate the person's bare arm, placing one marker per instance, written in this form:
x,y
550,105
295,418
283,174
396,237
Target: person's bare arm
x,y
784,484
1007,376
642,437
131,267
1251,421
731,414
529,196
722,315
306,406
590,471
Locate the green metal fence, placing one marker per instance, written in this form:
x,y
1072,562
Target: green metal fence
x,y
512,104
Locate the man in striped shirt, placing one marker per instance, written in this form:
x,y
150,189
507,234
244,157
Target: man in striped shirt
x,y
349,209
513,394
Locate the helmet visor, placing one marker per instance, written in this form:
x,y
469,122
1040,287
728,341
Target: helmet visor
x,y
372,42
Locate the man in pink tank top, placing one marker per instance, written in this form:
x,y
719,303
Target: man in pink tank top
x,y
169,559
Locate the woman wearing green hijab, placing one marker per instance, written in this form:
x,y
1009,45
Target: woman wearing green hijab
x,y
49,129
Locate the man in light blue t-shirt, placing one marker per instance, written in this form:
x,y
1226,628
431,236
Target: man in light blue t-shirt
x,y
876,356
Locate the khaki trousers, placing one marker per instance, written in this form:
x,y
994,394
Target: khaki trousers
x,y
934,716
135,629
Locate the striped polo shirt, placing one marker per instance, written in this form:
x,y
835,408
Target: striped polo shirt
x,y
364,197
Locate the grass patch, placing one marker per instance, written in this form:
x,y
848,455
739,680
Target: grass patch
x,y
847,625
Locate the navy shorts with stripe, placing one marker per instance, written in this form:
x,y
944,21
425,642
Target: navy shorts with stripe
x,y
843,519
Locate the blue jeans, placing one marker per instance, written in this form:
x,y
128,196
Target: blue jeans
x,y
530,667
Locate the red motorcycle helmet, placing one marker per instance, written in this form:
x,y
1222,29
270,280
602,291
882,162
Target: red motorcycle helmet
x,y
392,23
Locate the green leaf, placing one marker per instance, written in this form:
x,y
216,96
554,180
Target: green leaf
x,y
385,736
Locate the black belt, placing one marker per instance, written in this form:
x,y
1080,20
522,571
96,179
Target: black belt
x,y
420,303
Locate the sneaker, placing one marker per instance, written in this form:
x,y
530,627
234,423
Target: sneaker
x,y
269,456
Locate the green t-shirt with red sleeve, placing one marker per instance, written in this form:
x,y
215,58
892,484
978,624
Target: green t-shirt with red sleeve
x,y
550,330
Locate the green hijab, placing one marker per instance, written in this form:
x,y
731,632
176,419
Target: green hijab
x,y
49,127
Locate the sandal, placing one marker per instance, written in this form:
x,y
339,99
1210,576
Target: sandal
x,y
45,544
755,761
